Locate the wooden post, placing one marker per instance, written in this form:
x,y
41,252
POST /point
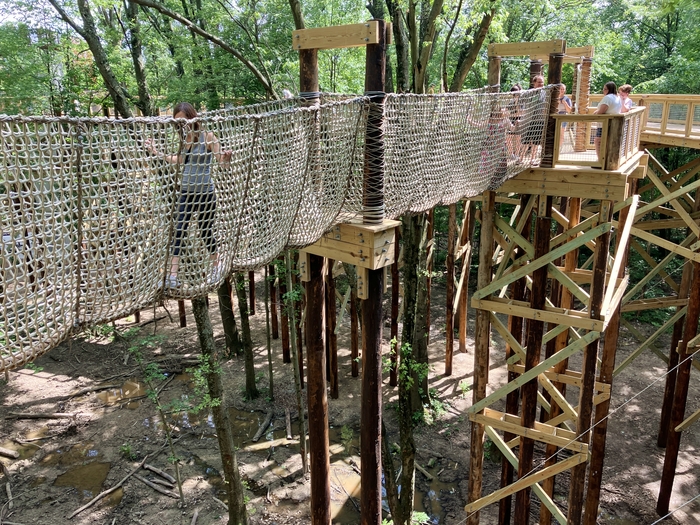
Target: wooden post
x,y
430,239
284,324
681,395
373,201
331,337
590,358
535,69
450,287
468,223
482,340
515,327
535,330
566,300
482,335
273,304
354,339
556,61
182,313
251,292
395,285
315,348
582,104
672,370
605,375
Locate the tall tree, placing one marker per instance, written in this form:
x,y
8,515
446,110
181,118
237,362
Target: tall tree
x,y
88,30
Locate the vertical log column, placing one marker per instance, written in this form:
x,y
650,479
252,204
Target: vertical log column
x,y
515,327
373,204
556,61
538,296
316,349
669,390
482,341
600,429
450,289
482,335
590,357
535,69
468,223
673,441
582,101
535,331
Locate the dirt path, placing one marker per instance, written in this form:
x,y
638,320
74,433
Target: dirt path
x,y
65,462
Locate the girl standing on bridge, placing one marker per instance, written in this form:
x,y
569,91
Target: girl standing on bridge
x,y
196,189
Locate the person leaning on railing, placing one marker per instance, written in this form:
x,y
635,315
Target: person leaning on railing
x,y
610,105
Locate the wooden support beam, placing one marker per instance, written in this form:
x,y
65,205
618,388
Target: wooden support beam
x,y
481,354
543,48
526,482
351,35
563,316
590,357
680,396
372,322
513,462
668,245
539,262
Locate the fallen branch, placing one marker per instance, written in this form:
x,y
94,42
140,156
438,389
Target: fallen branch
x,y
109,491
424,472
288,419
6,452
8,489
194,517
160,472
346,492
263,427
41,415
89,389
163,483
157,488
220,502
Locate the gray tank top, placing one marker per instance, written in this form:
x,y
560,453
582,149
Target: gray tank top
x,y
196,170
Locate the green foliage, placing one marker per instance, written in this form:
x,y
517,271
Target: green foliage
x,y
346,436
127,451
33,367
417,518
464,387
491,451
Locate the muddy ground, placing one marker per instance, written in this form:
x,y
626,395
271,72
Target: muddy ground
x,y
65,462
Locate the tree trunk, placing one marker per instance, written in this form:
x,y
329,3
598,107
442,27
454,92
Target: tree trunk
x,y
251,390
136,48
237,514
470,51
89,33
228,320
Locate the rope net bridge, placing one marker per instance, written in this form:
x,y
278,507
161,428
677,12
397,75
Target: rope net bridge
x,y
96,224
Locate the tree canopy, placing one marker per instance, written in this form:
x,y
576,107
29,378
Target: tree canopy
x,y
81,57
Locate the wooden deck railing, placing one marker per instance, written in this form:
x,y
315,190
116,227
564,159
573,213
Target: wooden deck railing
x,y
672,119
619,139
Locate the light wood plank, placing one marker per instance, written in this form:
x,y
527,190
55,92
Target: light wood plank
x,y
351,35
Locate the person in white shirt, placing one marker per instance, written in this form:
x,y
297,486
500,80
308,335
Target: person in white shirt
x,y
610,105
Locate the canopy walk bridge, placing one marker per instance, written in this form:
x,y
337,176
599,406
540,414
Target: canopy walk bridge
x,y
89,217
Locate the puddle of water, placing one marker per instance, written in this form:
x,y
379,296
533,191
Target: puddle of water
x,y
27,450
72,455
88,479
129,390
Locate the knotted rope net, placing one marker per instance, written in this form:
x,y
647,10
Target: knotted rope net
x,y
102,217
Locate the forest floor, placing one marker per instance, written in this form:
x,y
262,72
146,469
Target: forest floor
x,y
64,463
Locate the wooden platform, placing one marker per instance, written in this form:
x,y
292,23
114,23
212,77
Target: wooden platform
x,y
578,181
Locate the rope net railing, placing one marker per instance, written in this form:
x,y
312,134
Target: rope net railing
x,y
102,217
